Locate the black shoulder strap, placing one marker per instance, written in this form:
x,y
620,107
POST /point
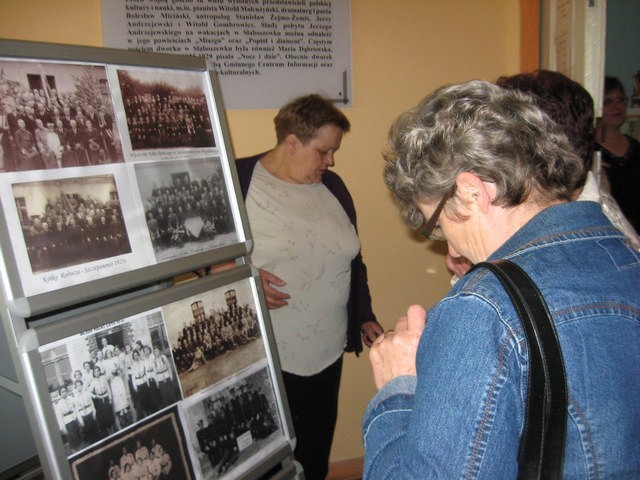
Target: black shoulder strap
x,y
543,437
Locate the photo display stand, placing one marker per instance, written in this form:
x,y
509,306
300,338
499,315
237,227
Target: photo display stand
x,y
116,180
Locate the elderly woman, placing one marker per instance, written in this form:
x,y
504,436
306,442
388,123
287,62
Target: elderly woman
x,y
493,176
303,223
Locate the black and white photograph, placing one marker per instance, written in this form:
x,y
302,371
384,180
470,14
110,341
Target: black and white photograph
x,y
186,206
165,109
231,428
70,221
154,450
107,379
214,335
56,115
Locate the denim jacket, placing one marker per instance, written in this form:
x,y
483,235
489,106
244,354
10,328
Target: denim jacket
x,y
462,416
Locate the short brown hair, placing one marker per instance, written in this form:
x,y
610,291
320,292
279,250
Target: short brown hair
x,y
304,115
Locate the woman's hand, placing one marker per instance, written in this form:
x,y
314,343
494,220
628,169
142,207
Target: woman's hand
x,y
393,354
275,298
370,331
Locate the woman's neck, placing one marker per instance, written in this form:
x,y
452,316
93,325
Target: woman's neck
x,y
275,162
613,140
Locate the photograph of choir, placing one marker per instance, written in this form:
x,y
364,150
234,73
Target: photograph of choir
x,y
186,206
106,380
214,336
70,221
165,109
155,451
55,115
231,427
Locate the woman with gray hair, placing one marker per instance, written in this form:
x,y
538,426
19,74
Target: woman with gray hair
x,y
486,170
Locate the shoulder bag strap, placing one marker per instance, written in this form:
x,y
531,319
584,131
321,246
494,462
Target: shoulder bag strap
x,y
543,438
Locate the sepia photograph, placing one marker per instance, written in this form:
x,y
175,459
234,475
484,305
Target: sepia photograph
x,y
186,206
56,115
104,380
230,428
214,335
70,221
153,450
165,109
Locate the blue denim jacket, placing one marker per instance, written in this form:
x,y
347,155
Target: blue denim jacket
x,y
462,416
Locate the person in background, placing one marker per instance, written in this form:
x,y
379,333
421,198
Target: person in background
x,y
570,105
303,224
485,169
620,152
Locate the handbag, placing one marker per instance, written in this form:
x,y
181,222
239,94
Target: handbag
x,y
542,443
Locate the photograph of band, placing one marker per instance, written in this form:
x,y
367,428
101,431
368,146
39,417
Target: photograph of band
x,y
154,450
214,335
105,380
70,221
165,109
229,430
186,206
55,115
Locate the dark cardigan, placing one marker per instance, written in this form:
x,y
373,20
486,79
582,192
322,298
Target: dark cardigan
x,y
359,305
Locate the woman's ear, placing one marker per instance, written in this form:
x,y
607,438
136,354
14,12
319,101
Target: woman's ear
x,y
474,193
291,142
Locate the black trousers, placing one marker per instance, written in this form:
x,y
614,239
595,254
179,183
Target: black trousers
x,y
313,403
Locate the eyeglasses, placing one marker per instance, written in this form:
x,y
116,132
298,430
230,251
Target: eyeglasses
x,y
431,228
617,101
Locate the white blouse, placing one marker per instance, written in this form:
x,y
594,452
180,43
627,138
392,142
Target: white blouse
x,y
303,235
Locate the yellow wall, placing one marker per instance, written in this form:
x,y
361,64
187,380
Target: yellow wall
x,y
401,50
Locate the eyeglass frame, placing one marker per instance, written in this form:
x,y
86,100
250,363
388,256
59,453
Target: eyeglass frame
x,y
432,224
608,102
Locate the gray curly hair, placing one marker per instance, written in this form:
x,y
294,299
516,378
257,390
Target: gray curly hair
x,y
498,134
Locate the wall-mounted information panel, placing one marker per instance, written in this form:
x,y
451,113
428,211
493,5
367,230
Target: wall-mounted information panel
x,y
116,176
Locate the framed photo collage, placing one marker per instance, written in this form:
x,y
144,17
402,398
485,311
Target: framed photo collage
x,y
115,174
108,169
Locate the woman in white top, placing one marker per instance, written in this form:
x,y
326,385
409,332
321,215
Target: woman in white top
x,y
306,245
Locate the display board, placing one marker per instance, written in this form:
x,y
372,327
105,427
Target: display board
x,y
116,176
109,169
182,381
